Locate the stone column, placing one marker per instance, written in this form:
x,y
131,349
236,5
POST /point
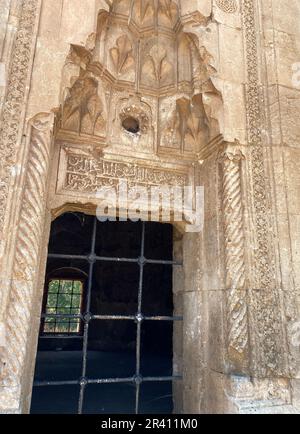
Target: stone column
x,y
235,268
26,265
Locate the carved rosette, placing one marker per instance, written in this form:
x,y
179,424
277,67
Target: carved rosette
x,y
27,254
237,306
227,6
136,112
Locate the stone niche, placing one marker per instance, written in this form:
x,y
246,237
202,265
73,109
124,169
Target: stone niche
x,y
141,85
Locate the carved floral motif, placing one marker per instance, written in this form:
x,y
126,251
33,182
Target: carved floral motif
x,y
157,64
145,7
228,6
159,8
84,174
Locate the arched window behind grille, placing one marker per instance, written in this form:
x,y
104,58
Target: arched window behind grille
x,y
63,302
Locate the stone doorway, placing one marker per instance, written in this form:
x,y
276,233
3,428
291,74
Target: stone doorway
x,y
106,334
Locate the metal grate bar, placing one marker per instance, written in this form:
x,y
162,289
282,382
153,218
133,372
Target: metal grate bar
x,y
107,381
113,317
114,259
139,319
83,381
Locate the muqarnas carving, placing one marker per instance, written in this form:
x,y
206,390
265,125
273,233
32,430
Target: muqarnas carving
x,y
188,127
122,54
157,65
168,9
83,110
153,65
144,12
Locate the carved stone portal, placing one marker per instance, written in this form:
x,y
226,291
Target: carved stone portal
x,y
144,101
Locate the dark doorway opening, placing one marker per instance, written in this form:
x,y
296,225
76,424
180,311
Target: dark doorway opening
x,y
106,336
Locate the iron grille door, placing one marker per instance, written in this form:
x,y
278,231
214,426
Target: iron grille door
x,y
139,318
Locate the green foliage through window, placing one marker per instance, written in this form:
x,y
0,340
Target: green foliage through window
x,y
64,298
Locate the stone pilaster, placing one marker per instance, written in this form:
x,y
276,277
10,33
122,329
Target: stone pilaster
x,y
26,263
235,268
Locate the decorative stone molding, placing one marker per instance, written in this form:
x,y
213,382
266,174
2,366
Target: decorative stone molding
x,y
254,120
27,254
265,302
233,218
12,121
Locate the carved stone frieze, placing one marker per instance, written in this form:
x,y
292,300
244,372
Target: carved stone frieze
x,y
84,174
